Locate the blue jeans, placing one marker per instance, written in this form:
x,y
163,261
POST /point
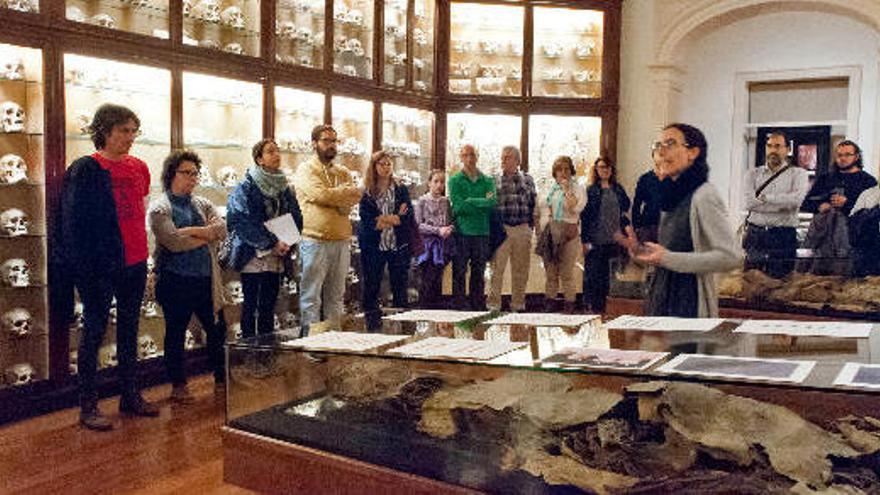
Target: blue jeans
x,y
324,268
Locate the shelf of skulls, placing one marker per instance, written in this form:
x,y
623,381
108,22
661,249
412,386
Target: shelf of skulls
x,y
228,25
353,38
299,32
148,17
423,45
568,62
28,6
24,360
486,51
395,43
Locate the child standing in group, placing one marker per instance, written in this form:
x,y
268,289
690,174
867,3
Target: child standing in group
x,y
434,219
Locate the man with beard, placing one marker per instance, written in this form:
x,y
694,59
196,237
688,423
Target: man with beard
x,y
326,194
773,194
838,190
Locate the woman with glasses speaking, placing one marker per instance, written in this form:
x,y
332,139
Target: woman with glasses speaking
x,y
695,237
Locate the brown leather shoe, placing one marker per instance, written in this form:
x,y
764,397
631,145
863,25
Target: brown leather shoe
x,y
135,405
92,419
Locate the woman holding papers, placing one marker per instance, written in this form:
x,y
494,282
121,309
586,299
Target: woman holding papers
x,y
187,230
384,236
256,252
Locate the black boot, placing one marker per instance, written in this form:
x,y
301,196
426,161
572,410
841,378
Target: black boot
x,y
132,403
90,416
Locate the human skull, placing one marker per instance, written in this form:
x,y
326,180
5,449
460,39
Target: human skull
x,y
303,35
20,374
395,32
228,176
22,5
189,340
354,46
235,48
236,331
17,322
14,222
354,17
187,8
137,4
206,10
104,20
149,309
209,43
289,320
585,50
420,37
73,363
112,312
12,169
107,356
235,291
233,17
12,70
78,320
151,264
349,70
12,117
420,85
15,273
205,179
147,348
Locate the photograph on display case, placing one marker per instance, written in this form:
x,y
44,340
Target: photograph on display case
x,y
24,346
229,25
567,53
147,17
299,32
297,112
486,49
353,38
408,137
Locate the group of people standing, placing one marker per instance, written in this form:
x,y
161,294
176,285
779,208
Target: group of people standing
x,y
101,240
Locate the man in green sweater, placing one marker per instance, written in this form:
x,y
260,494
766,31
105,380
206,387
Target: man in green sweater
x,y
472,195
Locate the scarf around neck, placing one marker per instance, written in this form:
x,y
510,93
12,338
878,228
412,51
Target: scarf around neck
x,y
672,192
271,184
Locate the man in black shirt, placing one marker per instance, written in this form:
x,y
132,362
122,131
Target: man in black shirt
x,y
646,203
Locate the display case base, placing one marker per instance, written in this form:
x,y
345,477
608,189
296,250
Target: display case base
x,y
266,465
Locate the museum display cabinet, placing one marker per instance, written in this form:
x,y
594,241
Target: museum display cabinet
x,y
699,405
217,75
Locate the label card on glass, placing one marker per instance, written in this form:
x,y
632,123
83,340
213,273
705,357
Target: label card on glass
x,y
859,375
663,323
807,328
543,319
585,357
344,341
772,370
436,315
441,347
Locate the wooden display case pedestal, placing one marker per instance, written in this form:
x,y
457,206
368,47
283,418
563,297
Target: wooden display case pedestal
x,y
267,465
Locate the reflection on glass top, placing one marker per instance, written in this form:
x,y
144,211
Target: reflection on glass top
x,y
830,354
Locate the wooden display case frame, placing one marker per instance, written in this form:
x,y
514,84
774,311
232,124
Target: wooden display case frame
x,y
50,31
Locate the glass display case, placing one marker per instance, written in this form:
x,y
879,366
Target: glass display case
x,y
229,25
297,112
24,342
395,42
353,38
29,6
89,83
551,136
488,133
299,32
613,411
423,45
147,17
568,53
485,52
353,121
408,136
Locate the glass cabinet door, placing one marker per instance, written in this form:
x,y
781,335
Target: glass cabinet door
x,y
395,42
229,25
353,121
487,133
353,38
297,112
551,136
147,17
568,53
423,46
24,342
408,136
299,32
89,83
486,47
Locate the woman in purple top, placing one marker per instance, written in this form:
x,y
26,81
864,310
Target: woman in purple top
x,y
434,218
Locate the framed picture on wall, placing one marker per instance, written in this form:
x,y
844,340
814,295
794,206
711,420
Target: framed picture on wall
x,y
810,146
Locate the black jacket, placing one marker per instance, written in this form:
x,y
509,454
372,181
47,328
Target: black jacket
x,y
851,184
646,202
87,241
368,236
590,213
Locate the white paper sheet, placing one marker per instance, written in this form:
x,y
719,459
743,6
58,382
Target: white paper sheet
x,y
807,328
859,375
436,315
284,229
441,347
663,323
585,357
344,341
543,319
772,370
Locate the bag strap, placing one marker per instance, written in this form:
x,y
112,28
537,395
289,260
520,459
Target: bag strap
x,y
773,177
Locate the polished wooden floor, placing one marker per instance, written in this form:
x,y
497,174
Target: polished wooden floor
x,y
178,452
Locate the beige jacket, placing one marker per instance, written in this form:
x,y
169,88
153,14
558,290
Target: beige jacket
x,y
325,204
167,237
